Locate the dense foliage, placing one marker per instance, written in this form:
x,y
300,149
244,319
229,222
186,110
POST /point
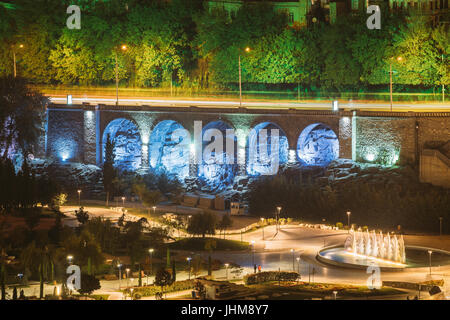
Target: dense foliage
x,y
378,202
266,276
184,43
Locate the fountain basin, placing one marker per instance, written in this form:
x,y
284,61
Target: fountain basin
x,y
416,257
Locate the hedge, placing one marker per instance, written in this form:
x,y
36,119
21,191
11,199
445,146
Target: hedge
x,y
148,291
266,276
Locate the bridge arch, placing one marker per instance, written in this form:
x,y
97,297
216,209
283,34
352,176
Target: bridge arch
x,y
128,144
219,169
262,160
169,146
317,145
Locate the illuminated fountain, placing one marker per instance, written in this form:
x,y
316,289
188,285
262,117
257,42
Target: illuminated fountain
x,y
379,246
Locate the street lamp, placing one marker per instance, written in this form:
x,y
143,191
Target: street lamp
x,y
298,264
120,272
240,78
390,77
440,226
128,276
20,46
79,197
278,216
151,261
154,210
348,220
335,294
253,252
262,227
226,268
429,253
69,259
123,202
189,262
123,48
293,264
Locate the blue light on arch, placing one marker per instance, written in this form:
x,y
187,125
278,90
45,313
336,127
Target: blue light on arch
x,y
128,144
317,145
169,148
262,162
214,173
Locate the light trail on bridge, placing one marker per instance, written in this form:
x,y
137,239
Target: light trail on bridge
x,y
307,105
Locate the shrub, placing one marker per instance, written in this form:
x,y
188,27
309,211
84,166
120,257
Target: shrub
x,y
148,291
261,277
339,225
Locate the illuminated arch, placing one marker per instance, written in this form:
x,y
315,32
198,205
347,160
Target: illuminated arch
x,y
169,148
215,173
128,144
317,145
262,161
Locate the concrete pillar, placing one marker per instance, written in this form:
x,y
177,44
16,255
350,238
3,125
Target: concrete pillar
x,y
346,137
89,136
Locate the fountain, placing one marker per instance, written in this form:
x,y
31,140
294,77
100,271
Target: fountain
x,y
371,244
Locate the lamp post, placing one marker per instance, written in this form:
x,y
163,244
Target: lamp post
x,y
348,220
390,77
262,227
240,78
69,259
123,202
277,217
298,264
151,262
253,252
293,263
429,253
120,272
128,277
440,226
14,58
79,197
123,48
335,294
189,266
226,268
154,210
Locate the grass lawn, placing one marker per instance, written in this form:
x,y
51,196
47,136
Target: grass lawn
x,y
198,244
304,290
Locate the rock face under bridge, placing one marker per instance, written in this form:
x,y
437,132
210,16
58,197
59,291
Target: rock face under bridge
x,y
169,138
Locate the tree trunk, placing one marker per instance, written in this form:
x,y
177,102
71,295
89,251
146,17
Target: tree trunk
x,y
140,276
2,280
209,265
107,198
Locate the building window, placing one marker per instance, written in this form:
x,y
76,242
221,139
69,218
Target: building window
x,y
291,17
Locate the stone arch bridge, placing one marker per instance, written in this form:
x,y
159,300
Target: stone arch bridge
x,y
164,137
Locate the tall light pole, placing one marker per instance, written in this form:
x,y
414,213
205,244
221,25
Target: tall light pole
x,y
298,264
348,220
151,262
14,58
120,272
128,277
293,261
262,227
79,197
253,252
123,202
226,268
278,216
429,253
154,210
390,77
240,78
189,266
69,259
123,48
440,226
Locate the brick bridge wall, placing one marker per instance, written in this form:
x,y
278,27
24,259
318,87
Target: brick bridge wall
x,y
76,132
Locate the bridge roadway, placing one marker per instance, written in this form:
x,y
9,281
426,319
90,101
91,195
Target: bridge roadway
x,y
275,104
